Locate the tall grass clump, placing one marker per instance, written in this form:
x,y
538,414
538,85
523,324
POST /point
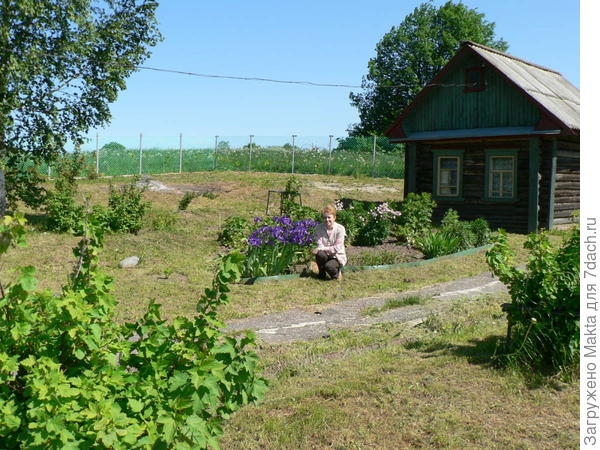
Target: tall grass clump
x,y
543,318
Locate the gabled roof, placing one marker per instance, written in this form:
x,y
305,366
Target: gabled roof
x,y
553,94
547,87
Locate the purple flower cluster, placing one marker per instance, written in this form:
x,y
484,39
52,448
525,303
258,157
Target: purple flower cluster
x,y
284,232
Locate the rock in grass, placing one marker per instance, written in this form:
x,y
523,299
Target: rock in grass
x,y
132,261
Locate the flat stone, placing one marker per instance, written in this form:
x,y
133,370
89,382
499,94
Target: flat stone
x,y
132,261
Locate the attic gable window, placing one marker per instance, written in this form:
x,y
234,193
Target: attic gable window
x,y
474,80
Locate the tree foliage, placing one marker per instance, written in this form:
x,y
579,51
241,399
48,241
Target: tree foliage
x,y
61,63
410,55
71,377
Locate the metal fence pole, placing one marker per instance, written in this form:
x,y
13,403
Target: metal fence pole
x,y
329,163
140,153
293,151
180,152
97,156
215,153
250,150
374,147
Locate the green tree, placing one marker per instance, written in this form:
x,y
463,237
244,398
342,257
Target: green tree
x,y
61,63
410,55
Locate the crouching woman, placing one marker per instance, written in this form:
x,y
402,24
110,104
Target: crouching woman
x,y
330,252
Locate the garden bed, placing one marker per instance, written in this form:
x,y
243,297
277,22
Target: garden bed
x,y
302,271
390,252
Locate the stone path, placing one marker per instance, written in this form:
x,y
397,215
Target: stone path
x,y
306,324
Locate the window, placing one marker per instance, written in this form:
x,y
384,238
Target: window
x,y
474,81
447,174
501,175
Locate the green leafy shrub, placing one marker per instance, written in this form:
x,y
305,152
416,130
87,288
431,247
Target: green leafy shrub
x,y
127,208
433,244
543,318
64,214
415,219
72,377
233,232
450,218
469,234
162,219
482,232
186,200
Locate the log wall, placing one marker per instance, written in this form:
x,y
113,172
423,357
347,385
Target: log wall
x,y
566,194
512,216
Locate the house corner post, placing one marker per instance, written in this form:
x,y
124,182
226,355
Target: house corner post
x,y
553,163
410,168
534,184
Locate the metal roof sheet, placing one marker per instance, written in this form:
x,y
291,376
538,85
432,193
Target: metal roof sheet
x,y
548,87
473,133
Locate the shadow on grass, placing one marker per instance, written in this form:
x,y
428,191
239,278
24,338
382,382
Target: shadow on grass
x,y
37,221
476,351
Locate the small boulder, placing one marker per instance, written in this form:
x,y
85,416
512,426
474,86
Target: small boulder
x,y
132,261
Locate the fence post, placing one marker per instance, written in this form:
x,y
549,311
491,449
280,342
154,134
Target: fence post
x,y
329,163
215,153
293,151
250,150
180,152
374,147
97,156
140,153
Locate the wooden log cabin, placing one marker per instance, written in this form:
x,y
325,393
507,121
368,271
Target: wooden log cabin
x,y
497,137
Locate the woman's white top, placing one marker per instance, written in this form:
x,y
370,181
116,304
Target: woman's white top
x,y
332,241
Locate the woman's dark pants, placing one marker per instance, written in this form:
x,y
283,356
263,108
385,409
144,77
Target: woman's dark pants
x,y
327,265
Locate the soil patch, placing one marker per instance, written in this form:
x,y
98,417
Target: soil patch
x,y
386,253
200,189
371,188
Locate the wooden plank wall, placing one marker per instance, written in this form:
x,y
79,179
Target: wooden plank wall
x,y
566,195
510,216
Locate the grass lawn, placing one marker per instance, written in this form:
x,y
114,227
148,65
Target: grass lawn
x,y
178,264
394,386
388,386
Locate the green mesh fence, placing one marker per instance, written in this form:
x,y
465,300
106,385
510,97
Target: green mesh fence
x,y
352,156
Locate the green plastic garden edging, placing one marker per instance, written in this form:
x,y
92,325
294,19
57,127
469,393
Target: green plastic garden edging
x,y
469,251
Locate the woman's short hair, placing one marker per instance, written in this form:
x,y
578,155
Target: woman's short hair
x,y
329,209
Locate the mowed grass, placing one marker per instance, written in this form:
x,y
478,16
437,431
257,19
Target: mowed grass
x,y
393,387
189,252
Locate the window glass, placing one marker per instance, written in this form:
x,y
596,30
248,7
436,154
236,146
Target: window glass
x,y
448,176
502,163
507,184
501,176
448,163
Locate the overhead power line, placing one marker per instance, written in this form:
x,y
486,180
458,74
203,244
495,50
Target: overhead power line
x,y
306,83
272,80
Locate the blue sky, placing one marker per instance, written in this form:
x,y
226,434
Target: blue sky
x,y
320,41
